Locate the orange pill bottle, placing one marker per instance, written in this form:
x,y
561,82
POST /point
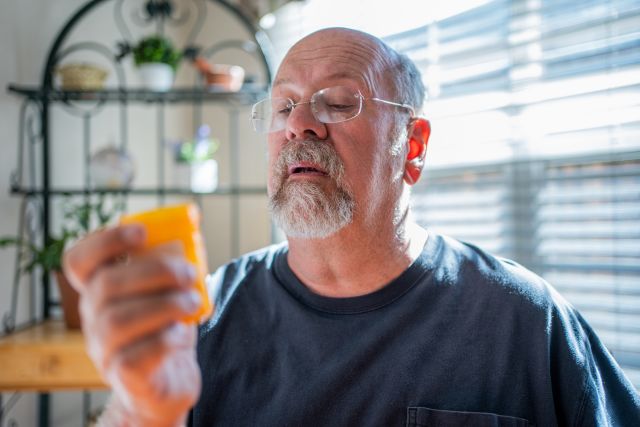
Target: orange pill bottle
x,y
182,223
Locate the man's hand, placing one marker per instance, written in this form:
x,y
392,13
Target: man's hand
x,y
131,315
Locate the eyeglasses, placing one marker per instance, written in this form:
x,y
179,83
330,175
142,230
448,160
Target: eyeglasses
x,y
330,105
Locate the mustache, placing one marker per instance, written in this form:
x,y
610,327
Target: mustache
x,y
312,151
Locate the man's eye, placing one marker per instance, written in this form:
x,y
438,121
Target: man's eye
x,y
340,107
285,109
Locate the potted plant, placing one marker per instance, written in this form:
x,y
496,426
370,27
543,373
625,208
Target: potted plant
x,y
195,164
78,221
157,60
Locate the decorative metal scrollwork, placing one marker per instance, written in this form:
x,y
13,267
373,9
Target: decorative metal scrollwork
x,y
159,9
123,49
4,409
111,58
161,12
29,226
31,128
8,322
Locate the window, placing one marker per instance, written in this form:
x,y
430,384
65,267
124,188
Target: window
x,y
535,107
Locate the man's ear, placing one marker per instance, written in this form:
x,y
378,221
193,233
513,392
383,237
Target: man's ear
x,y
417,149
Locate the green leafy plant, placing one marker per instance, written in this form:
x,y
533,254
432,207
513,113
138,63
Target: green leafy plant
x,y
202,147
156,49
78,221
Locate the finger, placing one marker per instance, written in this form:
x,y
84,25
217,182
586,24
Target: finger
x,y
122,324
174,247
142,275
82,259
160,374
143,357
174,385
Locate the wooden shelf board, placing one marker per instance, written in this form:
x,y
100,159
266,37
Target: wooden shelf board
x,y
46,357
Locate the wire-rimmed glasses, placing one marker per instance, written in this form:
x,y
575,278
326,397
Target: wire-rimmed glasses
x,y
330,105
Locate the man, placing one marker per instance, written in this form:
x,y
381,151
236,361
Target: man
x,y
362,318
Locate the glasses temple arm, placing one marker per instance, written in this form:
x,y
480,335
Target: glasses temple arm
x,y
396,104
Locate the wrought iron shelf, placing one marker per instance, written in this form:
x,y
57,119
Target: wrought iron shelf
x,y
220,191
247,95
58,354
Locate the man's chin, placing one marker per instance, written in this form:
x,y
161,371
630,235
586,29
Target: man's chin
x,y
300,191
307,228
305,210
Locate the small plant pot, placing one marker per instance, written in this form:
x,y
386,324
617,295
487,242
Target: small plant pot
x,y
204,176
69,299
225,77
156,76
199,177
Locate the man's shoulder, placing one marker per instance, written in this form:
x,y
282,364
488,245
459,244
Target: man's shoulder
x,y
499,294
492,277
226,280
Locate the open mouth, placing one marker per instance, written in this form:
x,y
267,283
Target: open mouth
x,y
306,169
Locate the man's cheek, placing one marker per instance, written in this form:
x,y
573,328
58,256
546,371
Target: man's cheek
x,y
274,178
271,186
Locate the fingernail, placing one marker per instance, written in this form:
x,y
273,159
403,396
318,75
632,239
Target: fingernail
x,y
192,300
189,273
133,234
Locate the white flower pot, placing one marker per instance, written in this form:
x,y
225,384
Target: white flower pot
x,y
156,76
199,177
204,176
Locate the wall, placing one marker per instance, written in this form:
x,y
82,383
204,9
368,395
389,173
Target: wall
x,y
27,29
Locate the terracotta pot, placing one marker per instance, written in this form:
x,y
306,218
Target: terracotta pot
x,y
225,77
69,299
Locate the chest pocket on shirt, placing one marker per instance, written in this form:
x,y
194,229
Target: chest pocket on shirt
x,y
426,417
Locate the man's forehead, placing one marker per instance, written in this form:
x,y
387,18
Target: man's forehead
x,y
337,75
334,57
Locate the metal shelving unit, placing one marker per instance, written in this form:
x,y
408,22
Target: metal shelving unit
x,y
32,179
249,94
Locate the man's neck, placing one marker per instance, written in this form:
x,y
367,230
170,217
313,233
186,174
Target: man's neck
x,y
355,262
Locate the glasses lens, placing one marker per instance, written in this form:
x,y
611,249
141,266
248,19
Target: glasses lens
x,y
270,115
336,104
331,105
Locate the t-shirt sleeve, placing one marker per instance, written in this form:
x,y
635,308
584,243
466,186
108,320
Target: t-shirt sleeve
x,y
581,362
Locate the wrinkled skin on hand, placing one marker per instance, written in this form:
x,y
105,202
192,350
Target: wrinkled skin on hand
x,y
131,315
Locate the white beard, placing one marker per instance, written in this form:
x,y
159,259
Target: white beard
x,y
304,209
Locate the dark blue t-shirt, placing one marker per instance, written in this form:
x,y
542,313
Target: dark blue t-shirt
x,y
459,338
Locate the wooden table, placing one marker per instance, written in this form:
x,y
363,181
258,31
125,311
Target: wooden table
x,y
46,357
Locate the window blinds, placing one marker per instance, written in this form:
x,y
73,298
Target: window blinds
x,y
516,78
535,154
574,221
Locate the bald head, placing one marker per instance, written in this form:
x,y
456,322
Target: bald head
x,y
397,74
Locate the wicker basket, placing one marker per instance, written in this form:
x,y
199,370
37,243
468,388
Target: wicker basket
x,y
82,77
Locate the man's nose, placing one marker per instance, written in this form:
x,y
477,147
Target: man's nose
x,y
301,123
